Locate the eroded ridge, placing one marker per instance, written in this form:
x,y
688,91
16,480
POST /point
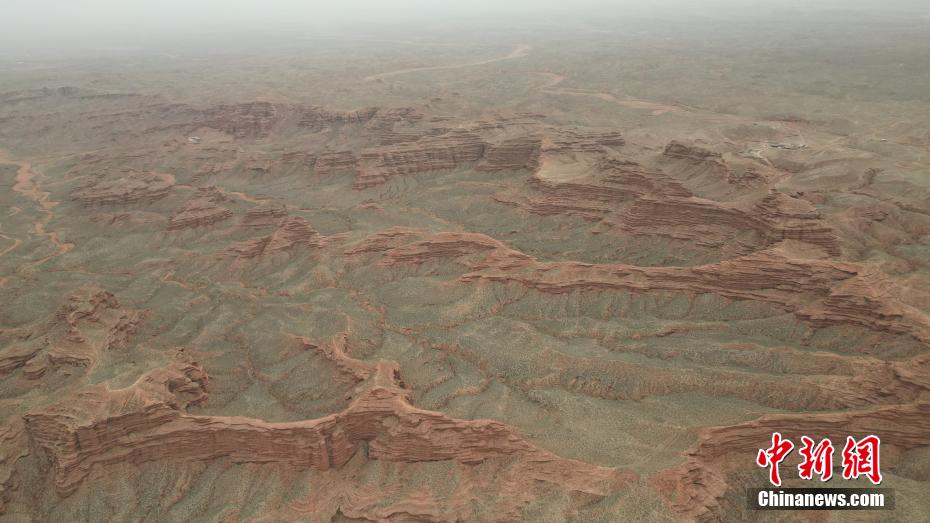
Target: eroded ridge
x,y
821,291
91,322
147,421
202,210
528,296
696,489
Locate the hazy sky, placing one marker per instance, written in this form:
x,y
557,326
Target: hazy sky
x,y
77,23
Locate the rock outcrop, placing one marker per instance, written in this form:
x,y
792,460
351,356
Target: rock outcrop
x,y
201,210
784,217
318,118
259,119
250,120
147,422
696,488
774,218
91,322
593,199
440,153
601,296
692,153
397,125
291,232
443,149
644,202
127,189
512,155
264,216
703,165
13,446
582,140
15,357
335,162
766,276
384,240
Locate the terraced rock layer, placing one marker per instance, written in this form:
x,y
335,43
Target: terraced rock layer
x,y
844,292
541,300
146,422
696,488
125,190
201,210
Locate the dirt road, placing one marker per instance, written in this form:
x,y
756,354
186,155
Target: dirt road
x,y
519,52
633,103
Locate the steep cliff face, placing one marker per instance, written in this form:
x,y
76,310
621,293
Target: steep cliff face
x,y
290,232
865,300
128,189
440,153
90,323
201,210
573,140
397,125
517,154
147,421
439,149
260,217
14,445
76,430
696,488
247,120
318,118
335,162
774,218
765,276
681,151
384,241
544,312
260,119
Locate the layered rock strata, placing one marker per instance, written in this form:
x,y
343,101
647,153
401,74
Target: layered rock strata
x,y
426,155
201,210
827,292
290,233
65,337
125,190
264,216
147,422
696,488
512,155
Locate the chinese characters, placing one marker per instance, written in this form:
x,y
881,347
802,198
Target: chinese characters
x,y
859,458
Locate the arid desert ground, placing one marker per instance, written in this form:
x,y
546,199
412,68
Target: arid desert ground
x,y
549,272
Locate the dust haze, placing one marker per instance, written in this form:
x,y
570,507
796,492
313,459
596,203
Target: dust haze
x,y
88,25
458,261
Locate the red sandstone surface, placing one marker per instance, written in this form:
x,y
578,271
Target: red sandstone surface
x,y
442,309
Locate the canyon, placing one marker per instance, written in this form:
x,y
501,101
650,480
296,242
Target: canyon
x,y
408,279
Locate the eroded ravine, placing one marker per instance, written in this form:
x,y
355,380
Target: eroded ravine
x,y
26,185
381,418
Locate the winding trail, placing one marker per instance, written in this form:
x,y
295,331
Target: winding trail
x,y
518,52
244,197
16,242
25,185
657,108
